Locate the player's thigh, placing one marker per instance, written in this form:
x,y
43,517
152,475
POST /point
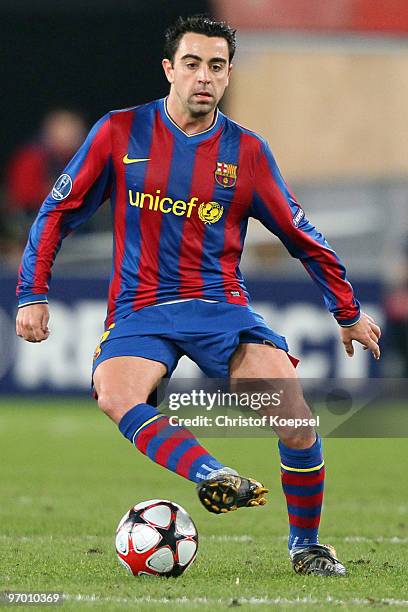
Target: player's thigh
x,y
255,360
259,368
123,382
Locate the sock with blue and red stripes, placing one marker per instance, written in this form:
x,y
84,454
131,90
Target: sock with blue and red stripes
x,y
171,446
302,474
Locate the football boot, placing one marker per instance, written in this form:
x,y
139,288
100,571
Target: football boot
x,y
225,491
316,559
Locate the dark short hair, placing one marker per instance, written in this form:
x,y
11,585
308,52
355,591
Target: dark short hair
x,y
199,24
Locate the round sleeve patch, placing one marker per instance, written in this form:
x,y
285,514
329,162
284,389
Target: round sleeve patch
x,y
62,187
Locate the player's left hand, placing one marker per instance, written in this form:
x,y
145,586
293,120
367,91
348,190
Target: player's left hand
x,y
366,332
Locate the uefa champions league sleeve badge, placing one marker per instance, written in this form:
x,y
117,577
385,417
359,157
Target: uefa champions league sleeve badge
x,y
62,187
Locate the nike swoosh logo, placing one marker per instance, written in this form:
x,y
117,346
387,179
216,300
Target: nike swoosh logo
x,y
128,160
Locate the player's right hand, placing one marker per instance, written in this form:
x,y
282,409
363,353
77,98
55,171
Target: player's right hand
x,y
32,322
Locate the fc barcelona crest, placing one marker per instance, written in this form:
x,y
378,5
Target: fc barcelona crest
x,y
226,174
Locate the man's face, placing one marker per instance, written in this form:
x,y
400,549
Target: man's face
x,y
200,72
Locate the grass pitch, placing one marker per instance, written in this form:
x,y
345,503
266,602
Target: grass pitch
x,y
67,477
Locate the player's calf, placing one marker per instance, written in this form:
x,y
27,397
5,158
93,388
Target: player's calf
x,y
171,446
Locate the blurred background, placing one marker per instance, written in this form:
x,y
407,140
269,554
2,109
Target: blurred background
x,y
323,80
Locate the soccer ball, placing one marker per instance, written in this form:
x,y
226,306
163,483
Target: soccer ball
x,y
156,538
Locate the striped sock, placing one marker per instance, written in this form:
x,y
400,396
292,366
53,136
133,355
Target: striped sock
x,y
171,446
302,474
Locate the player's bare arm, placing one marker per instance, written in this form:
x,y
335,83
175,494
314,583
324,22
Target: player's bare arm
x,y
366,332
32,322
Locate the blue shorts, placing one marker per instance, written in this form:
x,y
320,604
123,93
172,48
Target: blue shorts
x,y
206,332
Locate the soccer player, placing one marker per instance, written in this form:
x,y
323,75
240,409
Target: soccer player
x,y
183,179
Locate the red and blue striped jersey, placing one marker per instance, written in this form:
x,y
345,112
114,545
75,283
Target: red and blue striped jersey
x,y
180,208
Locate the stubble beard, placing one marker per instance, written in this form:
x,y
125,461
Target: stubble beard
x,y
198,110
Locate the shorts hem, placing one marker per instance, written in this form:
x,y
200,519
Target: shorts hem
x,y
99,361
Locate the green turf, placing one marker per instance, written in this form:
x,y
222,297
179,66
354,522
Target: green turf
x,y
67,476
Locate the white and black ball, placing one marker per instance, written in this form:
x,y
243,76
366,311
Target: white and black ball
x,y
156,538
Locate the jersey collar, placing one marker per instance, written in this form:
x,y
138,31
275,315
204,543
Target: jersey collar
x,y
193,138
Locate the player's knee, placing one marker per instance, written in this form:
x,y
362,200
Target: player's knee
x,y
303,437
115,405
107,403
